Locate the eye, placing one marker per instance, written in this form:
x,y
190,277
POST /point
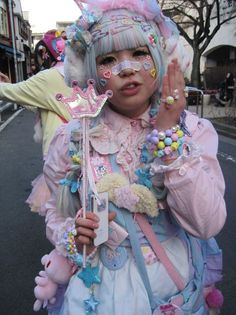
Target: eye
x,y
141,52
107,61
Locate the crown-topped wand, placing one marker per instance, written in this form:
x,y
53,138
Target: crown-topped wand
x,y
84,105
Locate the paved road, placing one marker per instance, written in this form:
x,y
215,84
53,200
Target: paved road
x,y
22,232
227,237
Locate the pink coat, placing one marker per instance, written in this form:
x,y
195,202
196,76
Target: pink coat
x,y
195,186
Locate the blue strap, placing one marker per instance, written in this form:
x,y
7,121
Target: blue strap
x,y
138,255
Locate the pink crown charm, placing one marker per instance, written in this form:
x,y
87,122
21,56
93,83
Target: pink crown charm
x,y
84,103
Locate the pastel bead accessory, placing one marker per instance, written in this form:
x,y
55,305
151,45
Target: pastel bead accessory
x,y
70,245
164,143
72,251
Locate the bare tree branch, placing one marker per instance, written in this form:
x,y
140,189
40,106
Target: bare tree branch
x,y
198,22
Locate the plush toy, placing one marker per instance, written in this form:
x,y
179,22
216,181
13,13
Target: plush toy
x,y
57,271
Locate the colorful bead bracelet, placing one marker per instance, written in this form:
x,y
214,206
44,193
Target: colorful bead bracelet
x,y
164,143
70,245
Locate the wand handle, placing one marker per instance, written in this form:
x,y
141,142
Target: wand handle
x,y
85,175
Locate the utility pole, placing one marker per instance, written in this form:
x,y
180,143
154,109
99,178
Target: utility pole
x,y
10,4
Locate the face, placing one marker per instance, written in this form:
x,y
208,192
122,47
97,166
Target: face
x,y
132,77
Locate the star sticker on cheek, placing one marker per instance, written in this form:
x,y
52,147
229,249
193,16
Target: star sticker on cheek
x,y
90,304
89,275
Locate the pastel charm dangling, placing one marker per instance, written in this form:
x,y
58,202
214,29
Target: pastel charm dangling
x,y
91,304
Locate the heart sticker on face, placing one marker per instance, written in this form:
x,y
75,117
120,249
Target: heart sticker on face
x,y
107,74
147,65
103,82
153,72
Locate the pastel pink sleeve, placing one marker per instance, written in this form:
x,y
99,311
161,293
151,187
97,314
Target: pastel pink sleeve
x,y
55,168
196,195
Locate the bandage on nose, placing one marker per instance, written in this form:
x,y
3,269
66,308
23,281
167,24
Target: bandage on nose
x,y
126,64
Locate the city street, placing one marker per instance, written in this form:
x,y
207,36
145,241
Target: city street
x,y
22,232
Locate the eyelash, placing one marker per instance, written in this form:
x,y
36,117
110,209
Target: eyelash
x,y
141,53
109,60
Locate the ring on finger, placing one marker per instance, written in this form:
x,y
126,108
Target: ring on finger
x,y
176,94
168,100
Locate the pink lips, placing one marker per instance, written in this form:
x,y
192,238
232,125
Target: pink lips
x,y
131,88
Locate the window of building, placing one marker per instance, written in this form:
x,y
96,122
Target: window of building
x,y
4,29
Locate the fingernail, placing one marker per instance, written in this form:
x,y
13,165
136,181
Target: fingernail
x,y
96,218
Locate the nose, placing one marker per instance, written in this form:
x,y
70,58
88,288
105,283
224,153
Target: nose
x,y
127,72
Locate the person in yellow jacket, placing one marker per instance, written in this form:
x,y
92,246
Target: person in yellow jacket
x,y
39,93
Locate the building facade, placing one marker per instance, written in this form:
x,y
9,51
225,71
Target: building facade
x,y
220,56
15,41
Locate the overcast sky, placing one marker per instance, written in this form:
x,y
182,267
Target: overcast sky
x,y
43,14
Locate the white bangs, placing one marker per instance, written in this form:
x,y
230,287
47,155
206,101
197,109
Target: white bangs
x,y
121,38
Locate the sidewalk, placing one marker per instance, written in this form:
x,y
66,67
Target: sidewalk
x,y
214,114
210,111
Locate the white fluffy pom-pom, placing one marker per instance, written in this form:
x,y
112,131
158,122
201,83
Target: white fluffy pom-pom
x,y
74,67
